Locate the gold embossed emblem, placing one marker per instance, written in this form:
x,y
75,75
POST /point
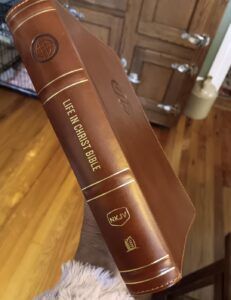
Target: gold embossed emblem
x,y
44,47
130,244
118,216
121,97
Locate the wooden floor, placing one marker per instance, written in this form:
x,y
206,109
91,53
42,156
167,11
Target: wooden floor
x,y
41,205
40,202
200,153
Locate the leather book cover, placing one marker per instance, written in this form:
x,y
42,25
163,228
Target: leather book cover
x,y
138,202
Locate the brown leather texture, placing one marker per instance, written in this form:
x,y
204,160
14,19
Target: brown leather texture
x,y
140,205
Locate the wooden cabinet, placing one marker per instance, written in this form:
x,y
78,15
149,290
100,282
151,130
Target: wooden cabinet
x,y
106,27
148,34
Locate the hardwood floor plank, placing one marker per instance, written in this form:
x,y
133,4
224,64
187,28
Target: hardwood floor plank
x,y
218,136
205,170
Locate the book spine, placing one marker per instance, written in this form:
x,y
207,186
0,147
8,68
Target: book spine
x,y
81,125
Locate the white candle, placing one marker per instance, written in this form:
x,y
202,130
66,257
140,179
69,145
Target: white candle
x,y
222,62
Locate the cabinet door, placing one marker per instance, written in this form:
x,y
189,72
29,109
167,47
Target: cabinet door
x,y
159,88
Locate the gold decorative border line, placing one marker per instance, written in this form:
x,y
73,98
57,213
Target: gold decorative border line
x,y
8,18
149,279
27,19
145,266
169,283
63,89
16,7
97,182
57,78
108,192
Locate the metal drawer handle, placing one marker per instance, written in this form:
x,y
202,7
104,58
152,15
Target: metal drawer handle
x,y
185,68
200,40
134,78
124,63
170,109
74,12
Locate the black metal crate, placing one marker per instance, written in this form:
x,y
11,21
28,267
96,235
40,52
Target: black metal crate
x,y
12,71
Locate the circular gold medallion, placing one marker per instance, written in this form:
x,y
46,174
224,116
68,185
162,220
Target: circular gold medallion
x,y
44,47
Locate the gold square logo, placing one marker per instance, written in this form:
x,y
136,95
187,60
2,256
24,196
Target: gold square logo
x,y
118,216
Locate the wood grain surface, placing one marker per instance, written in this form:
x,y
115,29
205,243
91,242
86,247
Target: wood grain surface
x,y
40,201
200,153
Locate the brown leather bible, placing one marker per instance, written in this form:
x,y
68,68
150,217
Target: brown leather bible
x,y
139,204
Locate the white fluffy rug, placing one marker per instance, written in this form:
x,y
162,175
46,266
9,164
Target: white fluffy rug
x,y
85,282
